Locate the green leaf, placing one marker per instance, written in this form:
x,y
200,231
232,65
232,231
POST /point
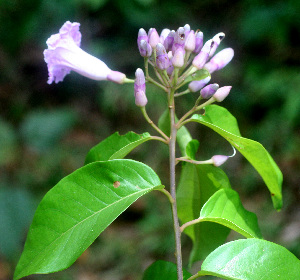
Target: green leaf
x,y
163,270
225,208
192,148
197,184
116,146
197,76
222,122
74,212
183,135
251,259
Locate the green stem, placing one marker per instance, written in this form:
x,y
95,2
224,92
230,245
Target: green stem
x,y
143,109
190,223
168,195
193,110
172,159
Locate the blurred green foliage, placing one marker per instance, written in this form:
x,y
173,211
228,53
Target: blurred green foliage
x,y
46,131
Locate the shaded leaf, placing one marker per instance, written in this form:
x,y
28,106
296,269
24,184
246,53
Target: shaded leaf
x,y
163,270
222,122
74,212
116,146
251,259
225,208
192,148
197,184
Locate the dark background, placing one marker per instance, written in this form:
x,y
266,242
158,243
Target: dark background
x,y
46,130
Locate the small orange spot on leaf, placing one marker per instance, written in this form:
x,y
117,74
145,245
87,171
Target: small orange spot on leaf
x,y
117,184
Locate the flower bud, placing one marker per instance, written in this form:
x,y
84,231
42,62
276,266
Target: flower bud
x,y
142,35
140,99
179,39
217,40
220,60
222,93
178,58
197,85
162,59
209,91
140,88
153,38
116,77
199,42
168,43
200,60
163,35
140,82
190,41
219,159
145,49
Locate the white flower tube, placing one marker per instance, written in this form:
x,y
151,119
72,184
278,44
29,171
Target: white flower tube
x,y
64,54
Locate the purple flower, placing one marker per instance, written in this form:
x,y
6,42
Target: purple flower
x,y
64,54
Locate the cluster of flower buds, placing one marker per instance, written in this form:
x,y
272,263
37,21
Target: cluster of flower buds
x,y
182,49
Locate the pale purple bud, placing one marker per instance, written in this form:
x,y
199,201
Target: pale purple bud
x,y
168,43
209,91
200,59
140,82
217,40
140,88
145,49
197,85
222,93
170,70
187,30
179,39
190,42
219,159
140,99
220,60
199,42
178,58
117,77
142,35
153,38
64,54
163,35
162,59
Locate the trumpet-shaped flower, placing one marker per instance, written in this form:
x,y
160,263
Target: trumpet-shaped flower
x,y
64,54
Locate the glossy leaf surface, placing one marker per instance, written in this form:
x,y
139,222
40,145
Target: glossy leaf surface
x,y
74,212
116,146
251,259
163,270
222,122
197,184
225,208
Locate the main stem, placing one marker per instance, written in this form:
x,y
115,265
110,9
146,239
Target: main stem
x,y
172,145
